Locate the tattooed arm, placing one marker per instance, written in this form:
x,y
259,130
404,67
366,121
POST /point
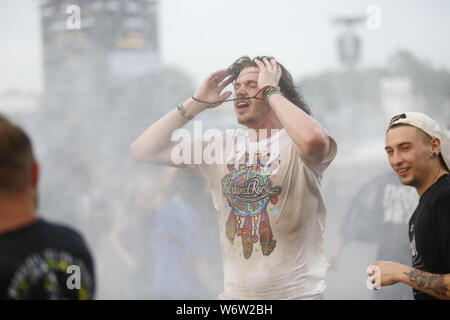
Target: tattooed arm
x,y
436,285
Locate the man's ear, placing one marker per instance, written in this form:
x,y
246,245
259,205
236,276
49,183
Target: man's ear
x,y
435,145
35,172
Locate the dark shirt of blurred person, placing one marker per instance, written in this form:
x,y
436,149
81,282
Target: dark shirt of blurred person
x,y
38,259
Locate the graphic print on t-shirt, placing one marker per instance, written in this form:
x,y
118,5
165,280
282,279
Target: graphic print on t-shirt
x,y
248,188
399,202
45,275
417,261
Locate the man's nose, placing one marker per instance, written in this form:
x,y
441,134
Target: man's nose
x,y
396,160
241,92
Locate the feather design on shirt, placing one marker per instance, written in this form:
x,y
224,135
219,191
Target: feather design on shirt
x,y
265,234
231,225
247,237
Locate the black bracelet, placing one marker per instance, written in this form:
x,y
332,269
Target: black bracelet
x,y
201,101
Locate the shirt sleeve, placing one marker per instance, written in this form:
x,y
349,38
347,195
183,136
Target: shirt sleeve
x,y
442,222
319,168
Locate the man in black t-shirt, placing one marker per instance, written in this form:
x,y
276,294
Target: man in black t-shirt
x,y
38,260
413,144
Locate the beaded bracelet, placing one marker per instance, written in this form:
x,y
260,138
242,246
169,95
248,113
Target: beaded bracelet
x,y
184,113
271,93
266,90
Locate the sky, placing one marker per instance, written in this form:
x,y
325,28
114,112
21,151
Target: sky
x,y
201,36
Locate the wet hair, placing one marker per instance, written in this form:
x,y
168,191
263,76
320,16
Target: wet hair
x,y
16,158
287,86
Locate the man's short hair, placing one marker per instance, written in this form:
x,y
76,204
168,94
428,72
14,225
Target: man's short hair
x,y
287,86
16,158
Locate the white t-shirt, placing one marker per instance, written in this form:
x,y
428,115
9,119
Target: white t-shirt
x,y
271,220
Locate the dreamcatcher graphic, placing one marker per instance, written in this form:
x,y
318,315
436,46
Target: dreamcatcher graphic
x,y
248,189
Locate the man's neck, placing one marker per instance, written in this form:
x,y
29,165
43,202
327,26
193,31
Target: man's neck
x,y
262,133
15,213
270,126
432,178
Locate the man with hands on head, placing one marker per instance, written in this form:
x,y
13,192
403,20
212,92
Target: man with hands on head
x,y
414,145
270,208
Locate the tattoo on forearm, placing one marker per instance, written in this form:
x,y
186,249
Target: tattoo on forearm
x,y
434,282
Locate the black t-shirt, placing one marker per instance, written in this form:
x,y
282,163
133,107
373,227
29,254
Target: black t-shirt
x,y
45,261
379,213
429,232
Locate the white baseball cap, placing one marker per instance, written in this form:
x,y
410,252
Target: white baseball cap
x,y
429,126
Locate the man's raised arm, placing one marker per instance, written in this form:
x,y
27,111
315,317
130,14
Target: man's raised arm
x,y
310,138
155,145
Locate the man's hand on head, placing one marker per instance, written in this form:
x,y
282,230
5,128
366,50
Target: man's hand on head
x,y
210,90
269,72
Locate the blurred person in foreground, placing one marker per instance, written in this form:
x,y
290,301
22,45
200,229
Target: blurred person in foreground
x,y
38,259
414,145
270,208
